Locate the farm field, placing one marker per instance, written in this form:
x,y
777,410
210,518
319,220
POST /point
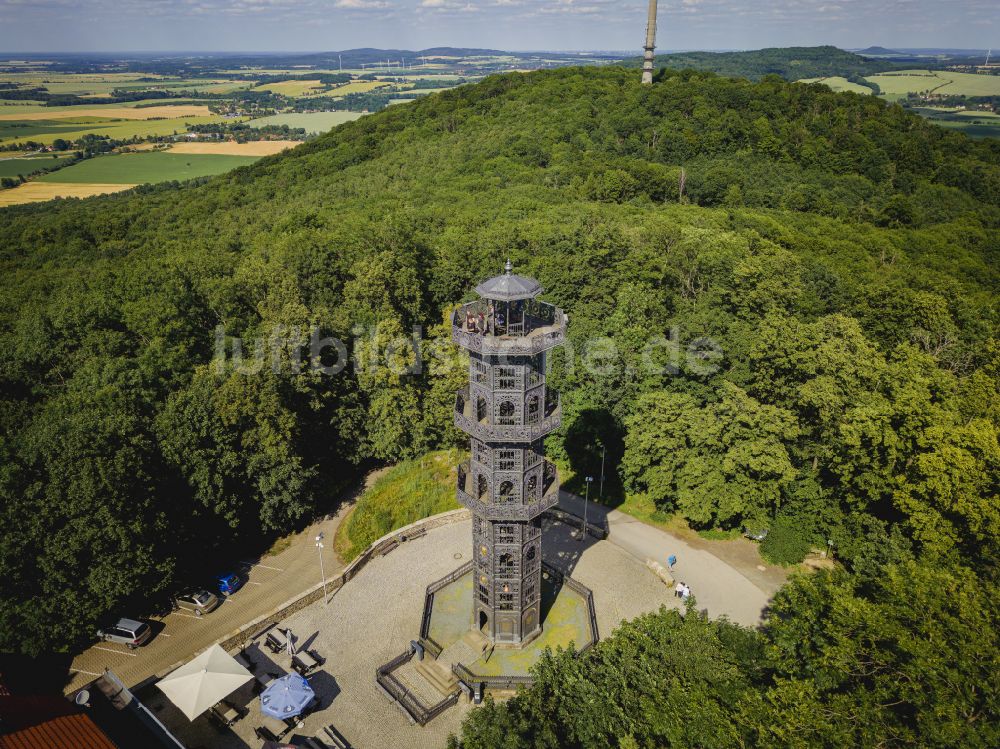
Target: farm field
x,y
291,88
151,167
231,148
113,111
936,81
837,83
313,122
46,131
27,164
13,107
974,124
36,192
97,85
356,87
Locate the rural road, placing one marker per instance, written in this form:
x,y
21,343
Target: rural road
x,y
730,580
270,582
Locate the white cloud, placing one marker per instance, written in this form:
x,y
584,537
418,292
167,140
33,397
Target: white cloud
x,y
361,4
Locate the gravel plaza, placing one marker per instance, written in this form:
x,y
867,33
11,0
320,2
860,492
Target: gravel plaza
x,y
374,617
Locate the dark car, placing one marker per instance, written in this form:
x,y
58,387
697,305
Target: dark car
x,y
229,583
128,632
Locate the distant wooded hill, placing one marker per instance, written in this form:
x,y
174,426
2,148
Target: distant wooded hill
x,y
791,63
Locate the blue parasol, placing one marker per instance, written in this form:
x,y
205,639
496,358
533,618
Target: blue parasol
x,y
286,697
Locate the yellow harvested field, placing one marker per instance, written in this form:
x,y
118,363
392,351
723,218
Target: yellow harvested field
x,y
231,148
115,113
36,192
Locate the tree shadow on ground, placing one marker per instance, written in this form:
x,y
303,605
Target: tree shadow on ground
x,y
595,433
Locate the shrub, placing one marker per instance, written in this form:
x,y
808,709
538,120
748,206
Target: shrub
x,y
787,542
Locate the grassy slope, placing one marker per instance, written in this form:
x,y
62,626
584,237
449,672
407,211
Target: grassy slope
x,y
839,83
313,122
943,82
407,492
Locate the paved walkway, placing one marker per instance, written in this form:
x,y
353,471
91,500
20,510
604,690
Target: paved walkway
x,y
726,577
271,581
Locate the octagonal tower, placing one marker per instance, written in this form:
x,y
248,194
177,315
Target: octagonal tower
x,y
507,484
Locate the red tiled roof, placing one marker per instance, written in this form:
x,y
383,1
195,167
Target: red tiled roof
x,y
39,722
65,732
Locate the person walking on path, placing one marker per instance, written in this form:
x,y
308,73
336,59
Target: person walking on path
x,y
671,561
685,593
679,590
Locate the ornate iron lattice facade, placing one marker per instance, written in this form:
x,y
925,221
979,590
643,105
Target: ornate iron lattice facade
x,y
507,410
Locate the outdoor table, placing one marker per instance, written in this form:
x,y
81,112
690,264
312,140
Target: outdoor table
x,y
226,713
277,727
304,661
263,680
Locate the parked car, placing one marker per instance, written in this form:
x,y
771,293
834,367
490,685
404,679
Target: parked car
x,y
229,583
127,632
198,602
755,534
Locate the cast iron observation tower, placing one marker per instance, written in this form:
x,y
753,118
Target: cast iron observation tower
x,y
507,484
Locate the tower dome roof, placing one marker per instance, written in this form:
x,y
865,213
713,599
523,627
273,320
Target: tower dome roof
x,y
509,287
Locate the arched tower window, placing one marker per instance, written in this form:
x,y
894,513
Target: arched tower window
x,y
505,495
531,486
482,486
534,409
505,414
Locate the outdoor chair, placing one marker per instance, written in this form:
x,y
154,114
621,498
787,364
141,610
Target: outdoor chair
x,y
276,641
304,662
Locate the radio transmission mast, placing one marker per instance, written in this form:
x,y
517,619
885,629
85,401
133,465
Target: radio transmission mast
x,y
647,58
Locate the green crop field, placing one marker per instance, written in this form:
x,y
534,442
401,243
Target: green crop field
x,y
838,83
66,111
87,85
972,123
46,131
313,122
12,167
357,87
291,88
938,82
138,168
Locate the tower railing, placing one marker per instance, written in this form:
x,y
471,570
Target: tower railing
x,y
469,497
547,420
538,327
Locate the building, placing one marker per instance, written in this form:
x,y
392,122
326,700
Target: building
x,y
507,410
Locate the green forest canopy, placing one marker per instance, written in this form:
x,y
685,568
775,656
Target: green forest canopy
x,y
791,63
841,252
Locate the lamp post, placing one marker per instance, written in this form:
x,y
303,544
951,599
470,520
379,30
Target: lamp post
x,y
322,572
586,502
603,452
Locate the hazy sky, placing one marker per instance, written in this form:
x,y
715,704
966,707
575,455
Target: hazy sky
x,y
298,25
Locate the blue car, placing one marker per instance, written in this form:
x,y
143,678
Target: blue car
x,y
229,583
